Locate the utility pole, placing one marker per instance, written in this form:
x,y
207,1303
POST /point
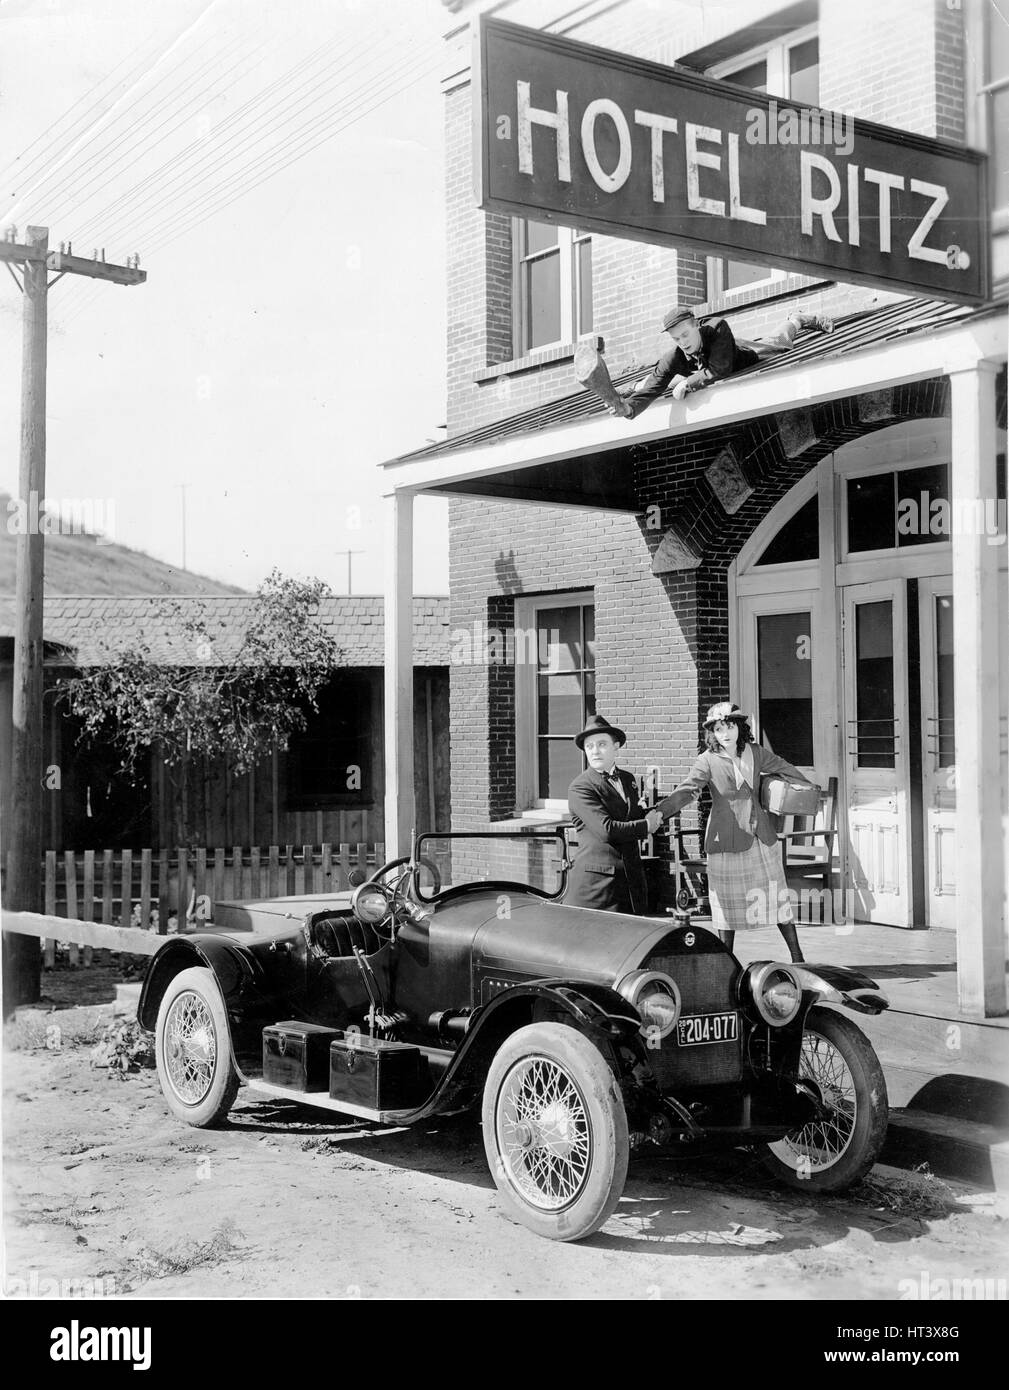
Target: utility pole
x,y
24,859
349,554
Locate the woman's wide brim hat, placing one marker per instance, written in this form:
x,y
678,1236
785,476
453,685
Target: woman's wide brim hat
x,y
725,709
598,725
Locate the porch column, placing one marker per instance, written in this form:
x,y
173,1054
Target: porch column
x,y
980,873
399,795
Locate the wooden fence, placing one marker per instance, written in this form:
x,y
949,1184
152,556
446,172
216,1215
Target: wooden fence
x,y
149,888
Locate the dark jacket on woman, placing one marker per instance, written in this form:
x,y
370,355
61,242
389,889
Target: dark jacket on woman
x,y
736,813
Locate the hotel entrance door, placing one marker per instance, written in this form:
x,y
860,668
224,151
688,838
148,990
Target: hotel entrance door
x,y
875,727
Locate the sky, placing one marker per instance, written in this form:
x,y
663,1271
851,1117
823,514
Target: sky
x,y
291,332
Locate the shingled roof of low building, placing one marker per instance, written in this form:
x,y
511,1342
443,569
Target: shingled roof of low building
x,y
87,630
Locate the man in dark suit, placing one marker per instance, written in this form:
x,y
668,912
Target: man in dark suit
x,y
706,352
609,820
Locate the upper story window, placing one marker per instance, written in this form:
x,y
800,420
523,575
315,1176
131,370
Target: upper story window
x,y
894,509
789,67
553,285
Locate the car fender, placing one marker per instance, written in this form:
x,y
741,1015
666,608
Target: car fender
x,y
593,1009
839,984
233,968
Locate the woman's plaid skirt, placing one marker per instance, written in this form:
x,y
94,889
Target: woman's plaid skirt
x,y
748,889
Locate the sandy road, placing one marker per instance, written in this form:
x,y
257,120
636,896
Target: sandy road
x,y
103,1184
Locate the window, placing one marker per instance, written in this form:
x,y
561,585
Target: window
x,y
785,685
329,763
894,510
787,68
553,285
555,692
798,539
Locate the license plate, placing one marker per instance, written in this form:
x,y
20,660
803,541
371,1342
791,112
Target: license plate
x,y
707,1028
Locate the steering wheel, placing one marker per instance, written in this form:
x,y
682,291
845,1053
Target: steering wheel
x,y
428,864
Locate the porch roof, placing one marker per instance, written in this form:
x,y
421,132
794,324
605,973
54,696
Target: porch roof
x,y
91,630
564,451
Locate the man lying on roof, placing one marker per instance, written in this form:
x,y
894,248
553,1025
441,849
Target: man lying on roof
x,y
706,352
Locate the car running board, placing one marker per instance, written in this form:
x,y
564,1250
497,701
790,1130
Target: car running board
x,y
319,1100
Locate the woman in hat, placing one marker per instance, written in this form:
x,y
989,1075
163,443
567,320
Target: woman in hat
x,y
746,874
610,820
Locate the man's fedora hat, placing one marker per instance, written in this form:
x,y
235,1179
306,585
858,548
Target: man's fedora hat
x,y
725,709
675,316
598,725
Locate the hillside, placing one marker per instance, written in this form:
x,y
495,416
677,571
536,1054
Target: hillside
x,y
78,564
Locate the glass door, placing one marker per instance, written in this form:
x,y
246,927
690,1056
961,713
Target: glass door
x,y
874,658
938,753
785,681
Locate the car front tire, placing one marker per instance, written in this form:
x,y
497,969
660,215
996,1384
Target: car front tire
x,y
839,1066
555,1131
193,1049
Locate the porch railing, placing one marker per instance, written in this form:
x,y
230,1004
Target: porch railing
x,y
163,890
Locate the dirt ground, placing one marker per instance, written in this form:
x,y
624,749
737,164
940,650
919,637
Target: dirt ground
x,y
102,1184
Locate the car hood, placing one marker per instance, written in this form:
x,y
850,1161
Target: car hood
x,y
544,940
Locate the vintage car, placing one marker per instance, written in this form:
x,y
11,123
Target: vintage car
x,y
457,978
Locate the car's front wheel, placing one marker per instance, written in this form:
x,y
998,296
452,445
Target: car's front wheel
x,y
555,1131
193,1049
841,1071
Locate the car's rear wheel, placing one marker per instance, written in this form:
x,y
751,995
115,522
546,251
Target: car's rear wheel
x,y
555,1131
840,1069
193,1049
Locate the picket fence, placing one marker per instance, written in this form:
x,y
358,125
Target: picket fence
x,y
163,890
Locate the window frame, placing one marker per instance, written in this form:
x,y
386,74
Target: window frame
x,y
777,78
527,705
569,239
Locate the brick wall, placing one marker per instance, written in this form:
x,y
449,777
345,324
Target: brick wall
x,y
898,62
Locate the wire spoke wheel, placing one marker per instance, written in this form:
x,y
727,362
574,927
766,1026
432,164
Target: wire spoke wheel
x,y
555,1131
840,1071
543,1133
191,1048
823,1069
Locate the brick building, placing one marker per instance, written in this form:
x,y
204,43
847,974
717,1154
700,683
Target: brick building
x,y
764,540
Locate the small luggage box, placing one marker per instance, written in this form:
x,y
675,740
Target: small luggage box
x,y
783,798
375,1073
297,1055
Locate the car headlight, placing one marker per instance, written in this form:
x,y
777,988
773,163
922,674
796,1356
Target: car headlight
x,y
371,903
656,997
775,992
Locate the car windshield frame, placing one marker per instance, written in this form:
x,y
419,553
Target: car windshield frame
x,y
482,885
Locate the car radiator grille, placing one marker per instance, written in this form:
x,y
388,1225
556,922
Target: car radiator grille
x,y
707,986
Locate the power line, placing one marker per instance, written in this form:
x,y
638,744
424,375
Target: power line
x,y
271,165
65,185
199,143
54,144
185,174
273,162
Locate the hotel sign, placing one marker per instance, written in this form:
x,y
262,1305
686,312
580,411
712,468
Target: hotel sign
x,y
590,138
